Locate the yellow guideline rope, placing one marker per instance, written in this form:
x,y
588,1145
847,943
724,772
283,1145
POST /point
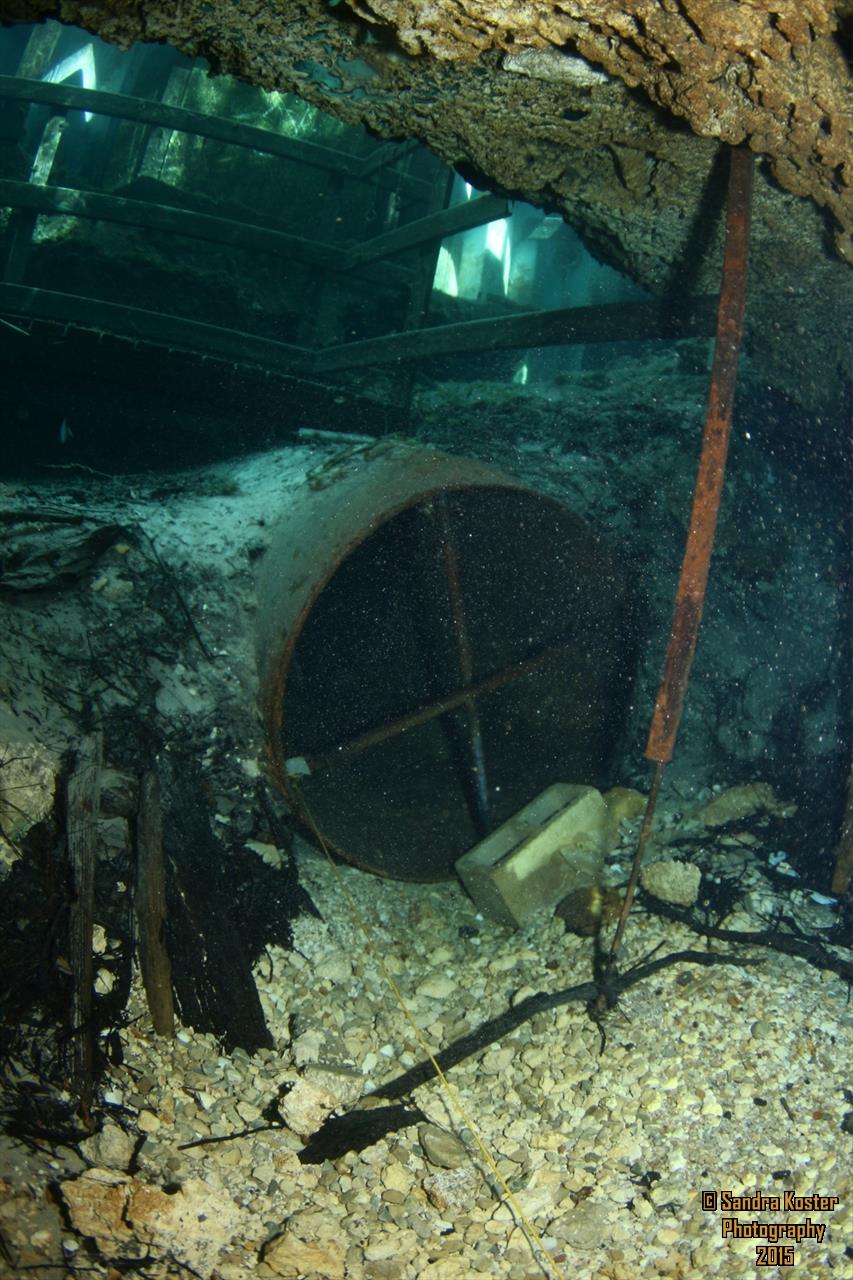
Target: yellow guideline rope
x,y
538,1249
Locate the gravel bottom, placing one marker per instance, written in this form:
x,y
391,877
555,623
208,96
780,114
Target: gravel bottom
x,y
711,1080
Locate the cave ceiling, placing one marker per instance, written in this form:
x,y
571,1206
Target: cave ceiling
x,y
613,114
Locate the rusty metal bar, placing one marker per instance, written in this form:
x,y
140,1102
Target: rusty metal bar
x,y
83,798
690,596
422,715
477,759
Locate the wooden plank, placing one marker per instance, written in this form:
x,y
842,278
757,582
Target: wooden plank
x,y
40,48
23,221
212,970
83,793
435,226
404,377
170,219
150,904
67,201
610,322
388,154
121,377
153,326
163,115
159,140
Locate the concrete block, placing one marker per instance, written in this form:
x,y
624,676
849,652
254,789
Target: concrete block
x,y
553,845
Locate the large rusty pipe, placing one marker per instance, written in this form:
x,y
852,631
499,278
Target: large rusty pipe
x,y
322,525
353,686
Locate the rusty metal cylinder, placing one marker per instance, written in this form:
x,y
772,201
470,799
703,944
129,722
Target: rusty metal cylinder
x,y
376,665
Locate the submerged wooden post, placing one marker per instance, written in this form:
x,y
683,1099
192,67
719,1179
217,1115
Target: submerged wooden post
x,y
151,906
82,810
843,871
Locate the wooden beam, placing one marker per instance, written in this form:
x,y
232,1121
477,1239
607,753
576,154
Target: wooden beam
x,y
150,903
153,326
83,794
165,116
125,376
211,961
169,219
435,226
387,154
610,322
22,223
173,220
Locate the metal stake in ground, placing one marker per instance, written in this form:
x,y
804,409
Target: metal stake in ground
x,y
83,795
690,596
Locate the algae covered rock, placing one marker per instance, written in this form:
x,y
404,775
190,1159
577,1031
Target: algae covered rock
x,y
27,789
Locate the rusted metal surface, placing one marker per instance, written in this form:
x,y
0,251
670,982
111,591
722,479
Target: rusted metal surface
x,y
363,660
476,764
690,596
634,878
323,524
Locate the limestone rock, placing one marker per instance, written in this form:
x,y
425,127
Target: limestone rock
x,y
112,1148
195,1225
291,1257
317,1094
308,1046
437,987
27,786
586,1226
336,967
453,1191
125,1216
675,882
96,1202
743,802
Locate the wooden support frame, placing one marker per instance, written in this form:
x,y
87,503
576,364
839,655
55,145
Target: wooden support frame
x,y
163,115
435,226
70,202
608,322
155,327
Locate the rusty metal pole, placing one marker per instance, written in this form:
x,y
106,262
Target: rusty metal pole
x,y
344,751
477,759
690,596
